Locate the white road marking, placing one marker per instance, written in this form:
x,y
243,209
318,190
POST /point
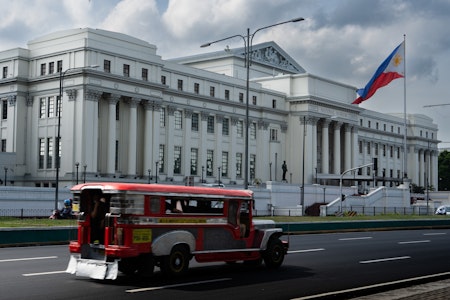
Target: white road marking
x,y
174,285
43,273
362,288
414,242
356,238
435,233
306,250
28,258
383,259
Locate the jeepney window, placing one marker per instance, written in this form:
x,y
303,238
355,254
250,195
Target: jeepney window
x,y
232,212
174,205
155,205
127,204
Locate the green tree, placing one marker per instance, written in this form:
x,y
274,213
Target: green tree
x,y
444,171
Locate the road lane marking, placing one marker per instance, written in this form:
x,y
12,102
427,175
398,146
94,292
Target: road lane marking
x,y
383,259
414,242
369,287
28,258
175,285
306,250
435,233
43,273
356,238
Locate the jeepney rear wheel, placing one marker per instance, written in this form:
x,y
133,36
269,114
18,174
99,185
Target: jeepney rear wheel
x,y
274,254
177,262
146,265
128,266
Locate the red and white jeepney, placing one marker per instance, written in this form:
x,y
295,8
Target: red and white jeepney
x,y
132,228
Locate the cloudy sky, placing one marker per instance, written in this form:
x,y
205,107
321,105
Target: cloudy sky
x,y
342,40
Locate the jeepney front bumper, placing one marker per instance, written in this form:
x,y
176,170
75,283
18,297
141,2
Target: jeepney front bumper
x,y
93,268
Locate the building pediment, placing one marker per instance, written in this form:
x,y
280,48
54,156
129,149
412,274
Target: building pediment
x,y
272,55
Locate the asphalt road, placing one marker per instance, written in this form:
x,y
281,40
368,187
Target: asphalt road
x,y
317,265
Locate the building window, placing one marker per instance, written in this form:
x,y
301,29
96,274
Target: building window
x,y
5,72
212,91
177,160
360,146
51,67
178,119
384,127
210,124
50,107
252,168
194,161
58,106
49,152
274,103
241,97
376,149
144,74
252,131
43,69
368,124
392,128
227,94
238,165
391,151
42,108
180,84
398,152
368,171
209,162
254,100
107,66
368,148
126,70
162,117
197,88
163,79
161,159
4,109
41,153
240,128
3,145
224,169
194,122
384,150
273,135
376,125
59,66
225,126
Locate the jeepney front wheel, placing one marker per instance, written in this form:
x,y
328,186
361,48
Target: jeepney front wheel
x,y
274,254
177,262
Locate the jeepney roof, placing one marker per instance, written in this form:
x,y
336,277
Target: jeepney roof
x,y
112,187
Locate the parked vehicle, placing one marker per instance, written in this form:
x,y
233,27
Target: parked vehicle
x,y
443,210
134,227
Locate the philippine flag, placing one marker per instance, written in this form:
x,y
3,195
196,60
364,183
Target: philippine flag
x,y
392,68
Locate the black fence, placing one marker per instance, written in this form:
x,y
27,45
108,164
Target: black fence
x,y
26,212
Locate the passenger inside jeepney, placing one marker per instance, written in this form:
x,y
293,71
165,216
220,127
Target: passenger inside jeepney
x,y
99,209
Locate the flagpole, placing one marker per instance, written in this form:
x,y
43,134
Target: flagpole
x,y
405,152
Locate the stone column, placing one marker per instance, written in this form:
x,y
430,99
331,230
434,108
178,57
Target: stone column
x,y
111,151
132,139
325,147
337,148
348,151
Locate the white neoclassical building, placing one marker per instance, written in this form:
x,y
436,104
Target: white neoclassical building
x,y
129,115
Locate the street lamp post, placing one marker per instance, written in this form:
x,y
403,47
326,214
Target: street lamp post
x,y
6,172
218,173
340,182
149,175
248,40
84,173
58,135
156,172
77,164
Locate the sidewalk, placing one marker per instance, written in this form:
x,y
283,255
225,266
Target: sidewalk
x,y
439,290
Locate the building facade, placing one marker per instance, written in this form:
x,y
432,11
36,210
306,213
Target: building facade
x,y
126,114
